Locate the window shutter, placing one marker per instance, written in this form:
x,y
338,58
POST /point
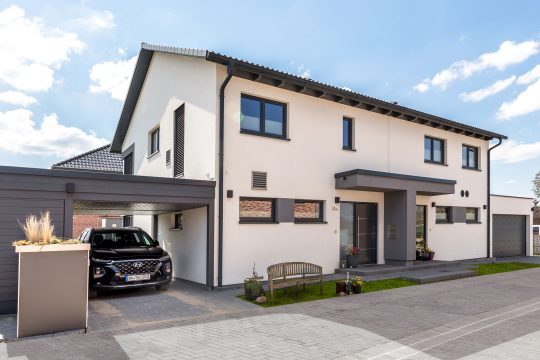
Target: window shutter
x,y
258,180
128,164
168,157
179,127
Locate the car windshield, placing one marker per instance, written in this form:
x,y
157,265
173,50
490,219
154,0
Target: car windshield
x,y
121,239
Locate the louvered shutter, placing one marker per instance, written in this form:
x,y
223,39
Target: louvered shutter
x,y
179,127
258,180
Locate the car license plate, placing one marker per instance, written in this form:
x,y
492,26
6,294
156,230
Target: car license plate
x,y
137,277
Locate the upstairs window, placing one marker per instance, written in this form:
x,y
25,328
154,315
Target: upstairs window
x,y
469,156
154,141
128,164
263,117
433,150
347,133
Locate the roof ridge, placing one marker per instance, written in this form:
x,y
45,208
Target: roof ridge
x,y
81,155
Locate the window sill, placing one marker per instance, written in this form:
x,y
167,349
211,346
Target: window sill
x,y
348,149
473,222
277,137
444,222
152,155
310,222
257,222
470,168
434,163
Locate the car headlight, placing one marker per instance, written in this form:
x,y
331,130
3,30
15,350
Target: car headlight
x,y
101,261
98,272
167,267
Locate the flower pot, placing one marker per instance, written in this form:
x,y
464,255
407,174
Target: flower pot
x,y
353,261
357,289
341,286
425,256
418,255
53,288
431,255
253,290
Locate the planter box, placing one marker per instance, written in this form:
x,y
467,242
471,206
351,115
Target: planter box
x,y
53,288
353,261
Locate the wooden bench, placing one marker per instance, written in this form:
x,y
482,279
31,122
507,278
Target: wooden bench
x,y
291,274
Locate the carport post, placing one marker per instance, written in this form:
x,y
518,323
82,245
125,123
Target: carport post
x,y
68,219
210,245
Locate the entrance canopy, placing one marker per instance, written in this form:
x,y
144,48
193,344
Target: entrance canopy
x,y
369,180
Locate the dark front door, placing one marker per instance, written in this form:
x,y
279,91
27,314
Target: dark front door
x,y
366,232
421,240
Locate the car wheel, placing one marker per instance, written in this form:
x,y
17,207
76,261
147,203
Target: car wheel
x,y
163,287
92,294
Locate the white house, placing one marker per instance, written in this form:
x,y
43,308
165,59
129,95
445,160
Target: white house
x,y
304,170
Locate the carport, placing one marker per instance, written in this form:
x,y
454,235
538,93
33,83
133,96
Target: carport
x,y
25,191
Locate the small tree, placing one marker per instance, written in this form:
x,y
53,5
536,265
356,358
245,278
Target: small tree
x,y
536,186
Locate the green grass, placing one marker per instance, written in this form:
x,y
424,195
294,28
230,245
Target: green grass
x,y
288,296
488,269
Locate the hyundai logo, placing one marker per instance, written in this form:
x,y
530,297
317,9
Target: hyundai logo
x,y
138,264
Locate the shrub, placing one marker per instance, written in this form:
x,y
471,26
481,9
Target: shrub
x,y
40,231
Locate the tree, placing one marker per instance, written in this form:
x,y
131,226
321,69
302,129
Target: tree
x,y
536,186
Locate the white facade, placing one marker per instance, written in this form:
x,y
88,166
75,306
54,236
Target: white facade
x,y
299,167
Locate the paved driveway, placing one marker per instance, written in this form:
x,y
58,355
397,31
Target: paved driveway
x,y
489,317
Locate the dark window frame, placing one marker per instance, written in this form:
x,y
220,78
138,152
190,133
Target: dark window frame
x,y
468,160
320,219
432,151
477,217
128,160
350,133
178,221
258,220
127,220
262,120
449,212
154,141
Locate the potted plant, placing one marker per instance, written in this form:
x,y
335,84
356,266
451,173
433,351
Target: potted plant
x,y
428,253
344,286
420,250
53,280
353,257
252,286
356,284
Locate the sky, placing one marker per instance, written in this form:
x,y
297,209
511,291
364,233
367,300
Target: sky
x,y
65,66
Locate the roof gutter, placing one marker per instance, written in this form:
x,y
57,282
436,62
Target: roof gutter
x,y
489,196
230,72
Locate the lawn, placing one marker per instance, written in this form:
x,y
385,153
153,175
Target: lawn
x,y
488,269
288,296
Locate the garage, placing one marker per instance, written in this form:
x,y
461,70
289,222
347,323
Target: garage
x,y
509,235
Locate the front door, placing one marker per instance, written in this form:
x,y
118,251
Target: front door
x,y
358,228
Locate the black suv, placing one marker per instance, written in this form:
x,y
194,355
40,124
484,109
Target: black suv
x,y
122,258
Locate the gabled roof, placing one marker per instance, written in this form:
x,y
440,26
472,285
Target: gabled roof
x,y
100,159
269,76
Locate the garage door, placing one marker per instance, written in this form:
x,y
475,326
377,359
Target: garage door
x,y
509,235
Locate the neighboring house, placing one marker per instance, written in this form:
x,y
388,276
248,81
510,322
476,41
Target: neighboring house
x,y
99,160
304,170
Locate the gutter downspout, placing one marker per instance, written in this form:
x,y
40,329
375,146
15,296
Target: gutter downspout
x,y
489,197
230,72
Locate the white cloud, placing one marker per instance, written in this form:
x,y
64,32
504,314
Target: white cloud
x,y
112,77
20,134
31,52
513,152
492,89
526,102
529,76
511,181
16,98
509,53
346,88
304,72
96,20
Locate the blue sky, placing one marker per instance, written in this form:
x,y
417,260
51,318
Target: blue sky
x,y
64,65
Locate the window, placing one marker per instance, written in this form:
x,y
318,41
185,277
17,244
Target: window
x,y
128,164
443,214
178,221
347,133
433,150
154,141
257,210
308,211
471,215
469,156
127,220
263,117
179,127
